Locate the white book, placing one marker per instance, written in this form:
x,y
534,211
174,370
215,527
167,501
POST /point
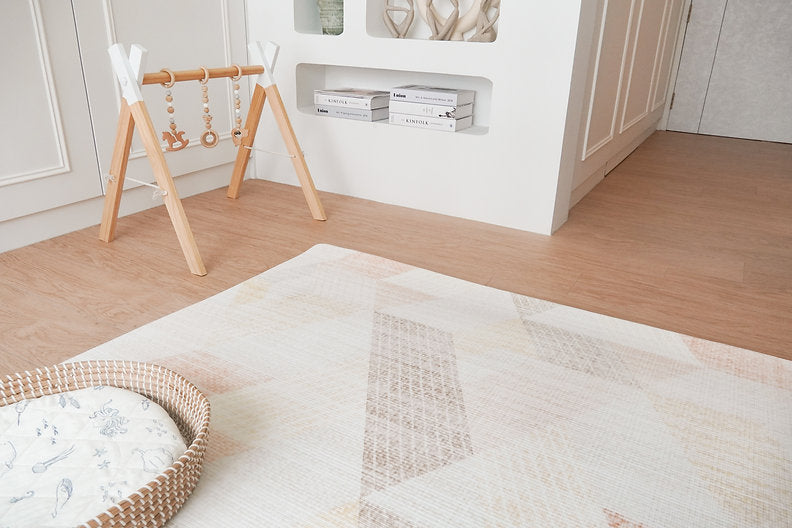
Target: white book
x,y
359,114
352,98
431,110
417,93
433,123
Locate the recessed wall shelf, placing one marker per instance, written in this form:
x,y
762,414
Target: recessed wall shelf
x,y
503,170
312,77
375,25
307,18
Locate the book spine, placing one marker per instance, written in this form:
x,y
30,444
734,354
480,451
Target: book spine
x,y
431,110
431,123
350,113
423,96
339,100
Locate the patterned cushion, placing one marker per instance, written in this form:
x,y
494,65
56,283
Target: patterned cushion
x,y
67,457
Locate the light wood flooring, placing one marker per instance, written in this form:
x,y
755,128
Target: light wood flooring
x,y
690,233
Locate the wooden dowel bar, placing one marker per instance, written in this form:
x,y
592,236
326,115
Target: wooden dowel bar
x,y
197,75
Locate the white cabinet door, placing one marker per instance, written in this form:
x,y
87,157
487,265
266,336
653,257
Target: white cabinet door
x,y
179,35
628,83
47,154
735,72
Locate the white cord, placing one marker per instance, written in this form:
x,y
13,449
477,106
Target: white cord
x,y
270,152
158,191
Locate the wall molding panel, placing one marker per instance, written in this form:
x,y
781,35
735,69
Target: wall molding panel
x,y
594,83
63,165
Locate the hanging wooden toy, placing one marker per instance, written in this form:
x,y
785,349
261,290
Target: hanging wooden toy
x,y
238,133
134,114
209,138
175,139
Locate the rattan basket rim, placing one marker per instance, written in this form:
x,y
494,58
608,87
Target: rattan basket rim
x,y
182,475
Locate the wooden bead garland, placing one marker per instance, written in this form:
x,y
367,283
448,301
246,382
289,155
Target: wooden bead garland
x,y
209,138
175,139
238,133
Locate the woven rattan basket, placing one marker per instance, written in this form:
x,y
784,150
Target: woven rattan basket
x,y
156,502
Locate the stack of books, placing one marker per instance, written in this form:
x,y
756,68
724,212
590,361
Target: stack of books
x,y
431,107
352,103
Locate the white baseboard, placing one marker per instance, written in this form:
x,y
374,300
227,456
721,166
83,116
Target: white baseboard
x,y
586,186
583,185
19,232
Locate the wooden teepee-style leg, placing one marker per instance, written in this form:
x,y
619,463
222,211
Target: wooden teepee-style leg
x,y
298,160
123,141
243,151
165,181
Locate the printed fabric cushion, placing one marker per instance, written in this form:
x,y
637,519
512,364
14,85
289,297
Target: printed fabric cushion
x,y
67,457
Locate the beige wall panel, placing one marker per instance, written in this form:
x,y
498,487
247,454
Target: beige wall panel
x,y
608,72
642,66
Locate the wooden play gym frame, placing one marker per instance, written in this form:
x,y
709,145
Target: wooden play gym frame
x,y
134,112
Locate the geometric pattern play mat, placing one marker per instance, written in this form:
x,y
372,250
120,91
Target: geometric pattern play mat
x,y
349,390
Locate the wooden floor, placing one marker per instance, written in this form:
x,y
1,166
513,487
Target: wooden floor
x,y
690,233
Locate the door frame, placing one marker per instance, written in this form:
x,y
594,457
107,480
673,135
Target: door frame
x,y
678,48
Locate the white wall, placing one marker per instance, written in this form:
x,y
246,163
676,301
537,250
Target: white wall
x,y
505,171
516,167
62,119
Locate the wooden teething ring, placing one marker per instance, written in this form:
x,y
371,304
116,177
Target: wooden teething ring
x,y
209,138
239,72
172,80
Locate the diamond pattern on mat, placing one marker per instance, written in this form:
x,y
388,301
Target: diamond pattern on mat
x,y
648,368
345,515
742,363
537,482
251,292
415,413
389,295
616,520
210,373
737,458
372,266
375,516
528,306
577,352
222,445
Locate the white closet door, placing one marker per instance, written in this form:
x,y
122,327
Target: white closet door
x,y
695,65
179,35
735,72
750,91
46,146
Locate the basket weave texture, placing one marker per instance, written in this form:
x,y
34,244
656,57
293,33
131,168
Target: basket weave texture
x,y
156,502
